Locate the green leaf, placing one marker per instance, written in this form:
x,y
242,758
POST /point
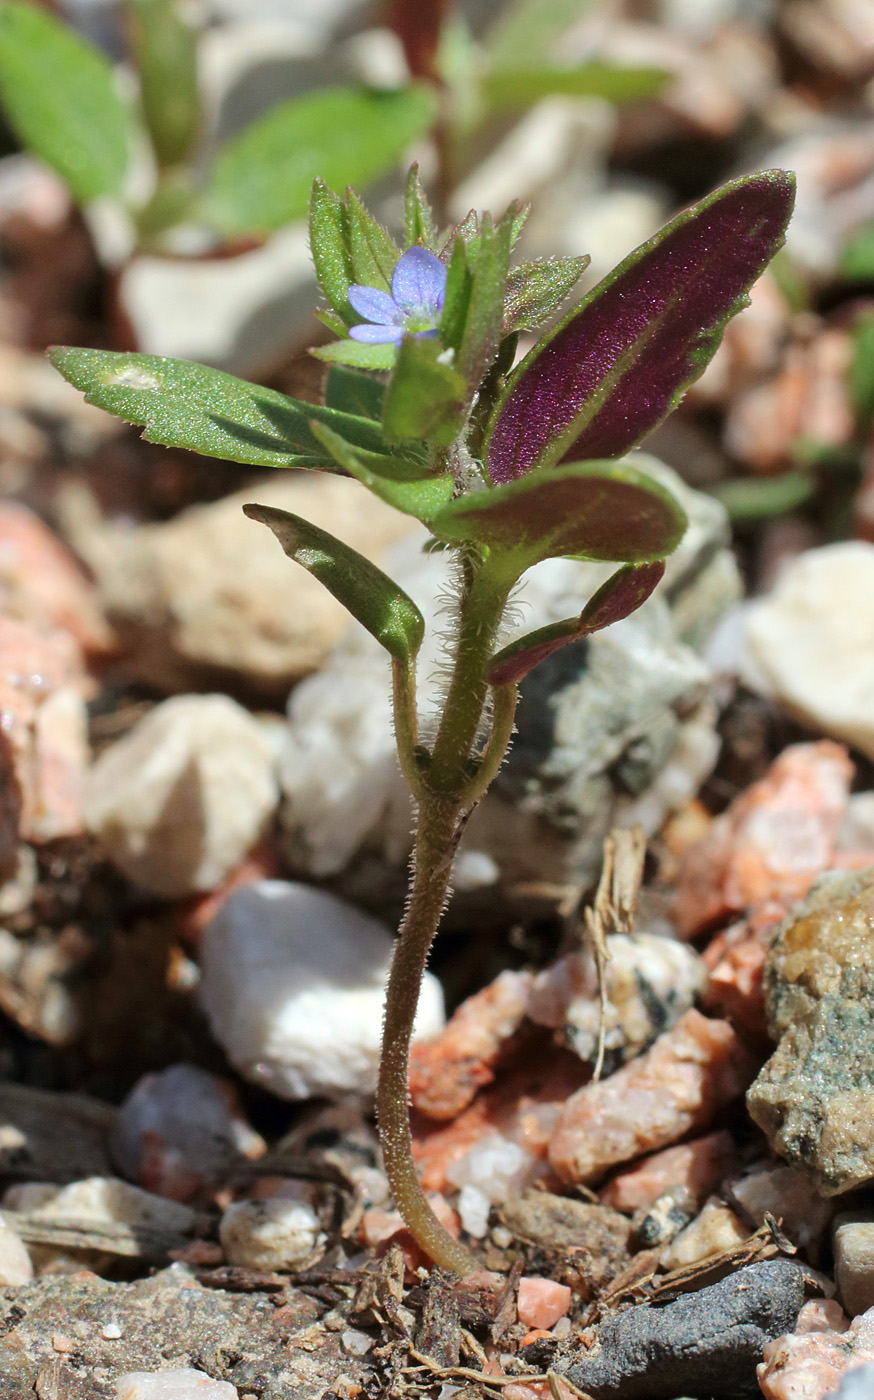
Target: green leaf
x,y
536,290
330,250
521,87
763,498
456,301
351,392
60,99
526,31
418,218
620,596
365,591
165,47
857,258
261,179
181,404
593,510
424,399
401,482
482,325
374,253
862,372
357,354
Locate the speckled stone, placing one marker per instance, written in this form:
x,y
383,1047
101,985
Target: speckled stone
x,y
815,1096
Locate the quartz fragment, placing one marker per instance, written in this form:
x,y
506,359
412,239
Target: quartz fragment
x,y
185,1384
716,1229
41,582
15,1265
689,1073
292,983
811,1362
696,1167
854,1262
815,1097
541,1302
182,798
773,841
275,1234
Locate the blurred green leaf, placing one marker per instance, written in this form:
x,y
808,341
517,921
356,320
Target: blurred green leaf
x,y
762,497
862,372
857,258
536,290
59,97
526,31
357,354
520,87
424,399
165,48
261,179
592,510
351,392
401,482
181,404
418,219
375,600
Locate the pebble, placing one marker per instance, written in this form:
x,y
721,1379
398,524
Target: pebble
x,y
540,1302
447,1071
273,1234
773,840
854,1261
811,1362
179,1384
494,1169
591,1240
293,982
15,1265
814,1099
99,1201
210,597
790,1197
650,983
41,582
697,1167
689,1073
43,729
180,1129
809,650
180,800
716,1229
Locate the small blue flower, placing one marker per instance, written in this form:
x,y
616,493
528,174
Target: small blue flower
x,y
415,306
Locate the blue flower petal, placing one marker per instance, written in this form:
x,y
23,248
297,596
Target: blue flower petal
x,y
376,335
374,305
418,286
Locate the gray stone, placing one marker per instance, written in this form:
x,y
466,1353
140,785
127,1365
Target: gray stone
x,y
857,1384
703,1344
815,1096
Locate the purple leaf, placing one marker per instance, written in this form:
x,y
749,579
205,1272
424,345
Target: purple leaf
x,y
620,596
623,358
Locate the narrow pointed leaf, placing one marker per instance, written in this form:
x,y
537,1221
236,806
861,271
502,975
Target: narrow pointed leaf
x,y
594,510
181,404
357,354
351,392
459,282
59,96
520,87
425,398
375,600
622,359
418,219
374,253
399,481
620,596
261,178
165,48
330,250
536,290
482,325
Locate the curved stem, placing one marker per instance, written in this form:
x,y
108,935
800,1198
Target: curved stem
x,y
406,723
503,715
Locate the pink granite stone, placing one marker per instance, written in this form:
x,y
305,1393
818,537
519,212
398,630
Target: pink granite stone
x,y
698,1167
810,1362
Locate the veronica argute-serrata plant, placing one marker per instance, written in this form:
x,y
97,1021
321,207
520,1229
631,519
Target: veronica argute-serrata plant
x,y
505,466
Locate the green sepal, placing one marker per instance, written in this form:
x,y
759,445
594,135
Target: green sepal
x,y
357,354
373,599
622,594
181,404
60,98
424,398
374,253
351,392
536,290
330,252
401,482
591,510
418,218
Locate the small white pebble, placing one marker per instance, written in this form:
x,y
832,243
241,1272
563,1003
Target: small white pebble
x,y
356,1343
111,1332
562,1328
185,1384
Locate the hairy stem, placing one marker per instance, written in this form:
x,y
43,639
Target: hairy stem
x,y
447,790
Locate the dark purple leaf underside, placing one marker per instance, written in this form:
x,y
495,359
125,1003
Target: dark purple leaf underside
x,y
624,357
620,596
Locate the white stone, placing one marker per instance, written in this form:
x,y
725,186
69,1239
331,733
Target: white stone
x,y
15,1265
178,1128
181,1384
179,801
272,1234
717,1228
293,982
854,1262
99,1200
492,1170
809,642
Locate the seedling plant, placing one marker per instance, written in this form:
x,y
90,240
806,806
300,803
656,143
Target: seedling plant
x,y
506,464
